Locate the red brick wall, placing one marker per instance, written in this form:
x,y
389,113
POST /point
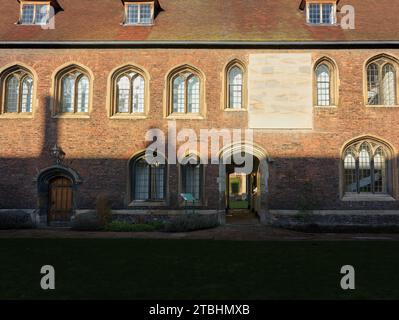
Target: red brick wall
x,y
98,148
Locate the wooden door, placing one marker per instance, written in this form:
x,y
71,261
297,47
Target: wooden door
x,y
60,197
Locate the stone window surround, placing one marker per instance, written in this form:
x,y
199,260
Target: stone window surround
x,y
169,94
225,101
392,169
5,73
334,82
58,74
111,92
387,58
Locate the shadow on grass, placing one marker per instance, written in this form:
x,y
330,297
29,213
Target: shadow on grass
x,y
196,269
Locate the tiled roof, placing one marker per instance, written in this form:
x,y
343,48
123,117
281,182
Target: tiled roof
x,y
203,20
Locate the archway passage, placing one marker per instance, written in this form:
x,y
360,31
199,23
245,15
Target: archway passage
x,y
60,197
242,190
243,187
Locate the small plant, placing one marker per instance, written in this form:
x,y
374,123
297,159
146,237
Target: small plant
x,y
103,209
191,222
120,226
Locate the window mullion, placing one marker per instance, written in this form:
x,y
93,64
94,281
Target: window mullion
x,y
321,13
75,95
186,96
381,93
357,176
372,174
131,96
34,14
19,105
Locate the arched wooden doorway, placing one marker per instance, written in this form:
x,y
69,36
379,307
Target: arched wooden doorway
x,y
57,189
60,197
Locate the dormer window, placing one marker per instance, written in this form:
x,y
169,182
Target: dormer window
x,y
139,13
321,12
34,13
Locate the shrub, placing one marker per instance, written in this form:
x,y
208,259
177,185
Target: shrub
x,y
103,209
191,222
16,220
87,221
119,226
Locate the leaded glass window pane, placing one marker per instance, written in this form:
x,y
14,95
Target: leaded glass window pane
x,y
193,95
191,179
41,14
138,94
314,13
373,84
83,95
68,93
12,94
145,14
157,182
327,13
27,14
388,73
27,89
132,14
235,88
379,172
350,173
141,180
179,94
323,85
149,181
123,90
364,169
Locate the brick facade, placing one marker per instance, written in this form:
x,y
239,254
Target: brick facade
x,y
98,148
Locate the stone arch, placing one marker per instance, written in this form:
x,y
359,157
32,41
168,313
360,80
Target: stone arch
x,y
43,179
263,171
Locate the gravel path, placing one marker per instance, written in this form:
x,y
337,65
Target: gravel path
x,y
227,232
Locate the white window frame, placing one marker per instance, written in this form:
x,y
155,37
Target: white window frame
x,y
321,3
139,5
35,4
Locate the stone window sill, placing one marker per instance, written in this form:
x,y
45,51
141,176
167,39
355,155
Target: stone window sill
x,y
185,117
382,106
367,198
148,204
128,116
191,205
235,110
71,116
16,116
326,107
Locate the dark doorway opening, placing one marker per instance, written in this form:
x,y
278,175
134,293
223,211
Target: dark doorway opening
x,y
242,190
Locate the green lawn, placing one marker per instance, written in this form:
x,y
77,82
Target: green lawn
x,y
186,269
238,204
